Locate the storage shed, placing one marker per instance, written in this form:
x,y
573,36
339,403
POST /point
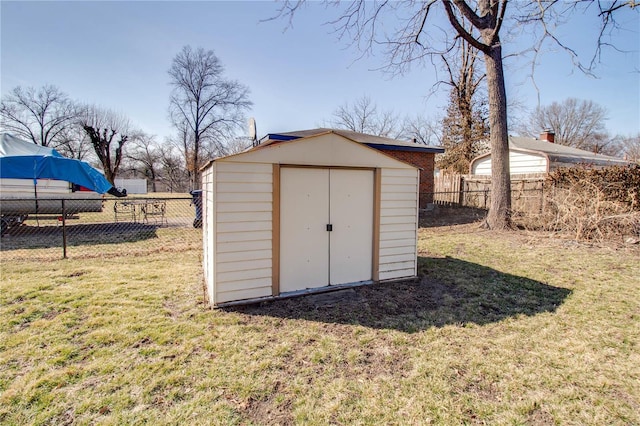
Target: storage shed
x,y
313,214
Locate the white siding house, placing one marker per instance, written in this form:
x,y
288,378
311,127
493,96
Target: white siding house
x,y
519,163
528,155
311,214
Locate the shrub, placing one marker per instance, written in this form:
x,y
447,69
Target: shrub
x,y
592,204
619,184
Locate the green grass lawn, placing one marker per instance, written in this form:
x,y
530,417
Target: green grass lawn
x,y
503,328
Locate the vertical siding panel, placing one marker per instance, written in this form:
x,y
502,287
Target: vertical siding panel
x,y
208,230
377,198
275,227
401,228
245,189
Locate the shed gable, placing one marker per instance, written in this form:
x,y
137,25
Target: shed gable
x,y
330,150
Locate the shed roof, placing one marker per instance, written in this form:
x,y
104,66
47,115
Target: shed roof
x,y
377,142
562,154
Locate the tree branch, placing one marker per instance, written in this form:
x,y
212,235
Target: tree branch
x,y
469,14
460,29
499,21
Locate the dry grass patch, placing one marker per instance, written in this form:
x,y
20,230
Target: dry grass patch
x,y
97,240
502,329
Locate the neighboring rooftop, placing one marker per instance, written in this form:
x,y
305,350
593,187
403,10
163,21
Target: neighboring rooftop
x,y
561,153
372,141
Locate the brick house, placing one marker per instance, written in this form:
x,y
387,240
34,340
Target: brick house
x,y
418,155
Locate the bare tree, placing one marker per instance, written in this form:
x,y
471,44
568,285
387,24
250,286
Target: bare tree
x,y
464,128
172,171
146,156
108,132
630,147
479,23
364,116
205,107
39,115
464,134
237,145
73,142
183,142
577,123
422,130
361,20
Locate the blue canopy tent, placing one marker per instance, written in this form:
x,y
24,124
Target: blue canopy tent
x,y
20,159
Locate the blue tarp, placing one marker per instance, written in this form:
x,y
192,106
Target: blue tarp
x,y
20,159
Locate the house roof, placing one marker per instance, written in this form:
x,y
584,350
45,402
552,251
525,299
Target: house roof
x,y
560,153
377,142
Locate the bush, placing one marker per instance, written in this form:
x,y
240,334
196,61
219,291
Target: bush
x,y
620,184
592,204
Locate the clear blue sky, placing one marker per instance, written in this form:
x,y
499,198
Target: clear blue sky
x,y
116,54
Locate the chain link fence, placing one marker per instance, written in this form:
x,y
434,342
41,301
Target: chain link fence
x,y
77,228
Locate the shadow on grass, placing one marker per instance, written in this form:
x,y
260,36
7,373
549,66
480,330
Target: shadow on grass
x,y
447,216
31,237
450,291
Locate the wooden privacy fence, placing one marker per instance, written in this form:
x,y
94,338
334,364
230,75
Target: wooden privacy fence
x,y
447,189
527,191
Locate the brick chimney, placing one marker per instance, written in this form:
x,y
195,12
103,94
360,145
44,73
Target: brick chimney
x,y
548,135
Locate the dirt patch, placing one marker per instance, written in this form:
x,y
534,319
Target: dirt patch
x,y
451,291
371,305
268,411
331,299
540,417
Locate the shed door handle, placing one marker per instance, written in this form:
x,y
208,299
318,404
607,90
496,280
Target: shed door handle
x,y
329,227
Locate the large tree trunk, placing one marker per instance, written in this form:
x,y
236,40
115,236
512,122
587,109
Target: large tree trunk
x,y
195,182
109,176
499,216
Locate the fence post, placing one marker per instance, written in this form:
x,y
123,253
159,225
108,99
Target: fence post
x,y
64,231
460,190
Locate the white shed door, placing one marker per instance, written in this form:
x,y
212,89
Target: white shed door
x,y
351,216
304,240
310,199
